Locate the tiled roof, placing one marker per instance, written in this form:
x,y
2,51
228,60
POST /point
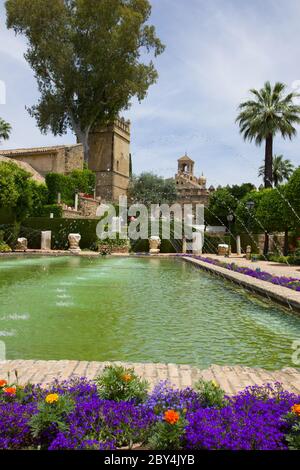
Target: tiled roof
x,y
185,158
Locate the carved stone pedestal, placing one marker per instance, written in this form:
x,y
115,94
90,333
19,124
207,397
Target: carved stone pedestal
x,y
21,244
74,239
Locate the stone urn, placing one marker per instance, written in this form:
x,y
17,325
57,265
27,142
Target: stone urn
x,y
154,245
223,249
74,239
21,244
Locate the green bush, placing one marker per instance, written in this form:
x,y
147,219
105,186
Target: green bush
x,y
121,384
15,193
211,243
4,248
47,209
210,394
67,185
10,233
60,228
294,260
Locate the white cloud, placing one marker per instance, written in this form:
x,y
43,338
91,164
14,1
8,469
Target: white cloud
x,y
215,52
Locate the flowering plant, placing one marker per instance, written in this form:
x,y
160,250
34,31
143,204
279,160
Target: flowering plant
x,y
210,394
72,415
168,433
118,383
293,421
51,418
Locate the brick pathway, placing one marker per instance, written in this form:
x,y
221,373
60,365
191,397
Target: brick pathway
x,y
230,378
278,269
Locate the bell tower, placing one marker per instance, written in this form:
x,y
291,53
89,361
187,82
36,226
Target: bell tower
x,y
110,159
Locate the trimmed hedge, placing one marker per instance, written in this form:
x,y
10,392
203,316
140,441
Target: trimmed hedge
x,y
7,216
60,228
142,246
45,211
78,180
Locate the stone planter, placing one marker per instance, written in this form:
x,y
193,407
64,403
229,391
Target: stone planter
x,y
223,249
154,244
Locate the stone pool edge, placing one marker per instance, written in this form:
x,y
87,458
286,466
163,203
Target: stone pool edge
x,y
282,295
232,379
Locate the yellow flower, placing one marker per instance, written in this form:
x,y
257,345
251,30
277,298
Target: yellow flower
x,y
215,384
52,398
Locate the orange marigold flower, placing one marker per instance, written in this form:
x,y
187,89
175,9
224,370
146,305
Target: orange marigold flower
x,y
52,398
171,416
296,409
10,390
127,377
3,383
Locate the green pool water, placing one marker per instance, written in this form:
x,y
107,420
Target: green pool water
x,y
137,309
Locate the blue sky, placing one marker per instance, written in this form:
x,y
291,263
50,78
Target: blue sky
x,y
216,51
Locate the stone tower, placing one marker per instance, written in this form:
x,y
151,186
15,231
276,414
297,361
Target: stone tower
x,y
109,159
190,188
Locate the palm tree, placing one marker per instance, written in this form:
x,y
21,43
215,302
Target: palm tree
x,y
5,130
271,111
282,169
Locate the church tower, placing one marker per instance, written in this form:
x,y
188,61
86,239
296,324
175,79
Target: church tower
x,y
110,159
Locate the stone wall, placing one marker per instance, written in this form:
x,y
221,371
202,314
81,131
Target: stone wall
x,y
60,159
74,158
109,159
88,207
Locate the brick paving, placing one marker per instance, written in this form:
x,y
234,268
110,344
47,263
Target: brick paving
x,y
230,378
277,269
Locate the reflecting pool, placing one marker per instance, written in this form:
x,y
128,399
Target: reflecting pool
x,y
137,309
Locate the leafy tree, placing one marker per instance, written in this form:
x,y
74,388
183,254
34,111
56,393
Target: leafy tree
x,y
293,196
275,213
240,191
221,203
39,197
67,185
148,188
282,169
15,189
246,214
88,59
269,112
5,130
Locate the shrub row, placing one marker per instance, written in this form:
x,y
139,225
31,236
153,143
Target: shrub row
x,y
60,228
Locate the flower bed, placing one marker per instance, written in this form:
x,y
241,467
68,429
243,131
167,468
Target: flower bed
x,y
116,411
289,282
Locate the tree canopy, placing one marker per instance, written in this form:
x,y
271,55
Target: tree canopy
x,y
148,189
15,189
224,201
88,58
